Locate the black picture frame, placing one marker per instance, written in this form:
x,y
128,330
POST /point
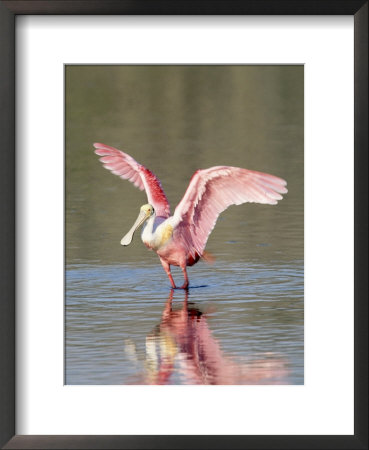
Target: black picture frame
x,y
8,11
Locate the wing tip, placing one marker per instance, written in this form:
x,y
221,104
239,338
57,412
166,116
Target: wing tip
x,y
104,147
98,145
100,149
107,150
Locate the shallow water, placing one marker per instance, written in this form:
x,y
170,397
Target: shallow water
x,y
242,321
252,316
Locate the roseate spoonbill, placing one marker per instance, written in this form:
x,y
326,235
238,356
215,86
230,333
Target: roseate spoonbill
x,y
180,240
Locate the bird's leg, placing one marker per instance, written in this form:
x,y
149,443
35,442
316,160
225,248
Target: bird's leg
x,y
166,267
168,307
186,282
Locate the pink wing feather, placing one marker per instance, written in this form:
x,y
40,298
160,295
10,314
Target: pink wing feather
x,y
211,191
127,168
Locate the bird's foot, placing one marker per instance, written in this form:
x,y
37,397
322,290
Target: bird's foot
x,y
184,286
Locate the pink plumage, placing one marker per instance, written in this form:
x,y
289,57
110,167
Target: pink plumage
x,y
180,239
127,168
211,191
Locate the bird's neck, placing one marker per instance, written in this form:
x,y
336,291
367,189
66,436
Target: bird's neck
x,y
152,234
148,230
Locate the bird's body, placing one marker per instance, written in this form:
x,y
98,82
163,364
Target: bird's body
x,y
180,239
168,243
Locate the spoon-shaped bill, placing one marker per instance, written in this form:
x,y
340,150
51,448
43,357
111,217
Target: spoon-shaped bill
x,y
127,239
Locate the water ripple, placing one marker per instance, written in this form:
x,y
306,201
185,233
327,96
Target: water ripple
x,y
239,324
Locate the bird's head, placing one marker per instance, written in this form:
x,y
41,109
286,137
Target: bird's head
x,y
146,211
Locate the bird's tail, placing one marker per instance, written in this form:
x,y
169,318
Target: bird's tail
x,y
208,257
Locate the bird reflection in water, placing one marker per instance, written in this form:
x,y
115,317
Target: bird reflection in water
x,y
183,346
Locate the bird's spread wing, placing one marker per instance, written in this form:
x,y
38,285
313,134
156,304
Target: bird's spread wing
x,y
211,191
127,168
